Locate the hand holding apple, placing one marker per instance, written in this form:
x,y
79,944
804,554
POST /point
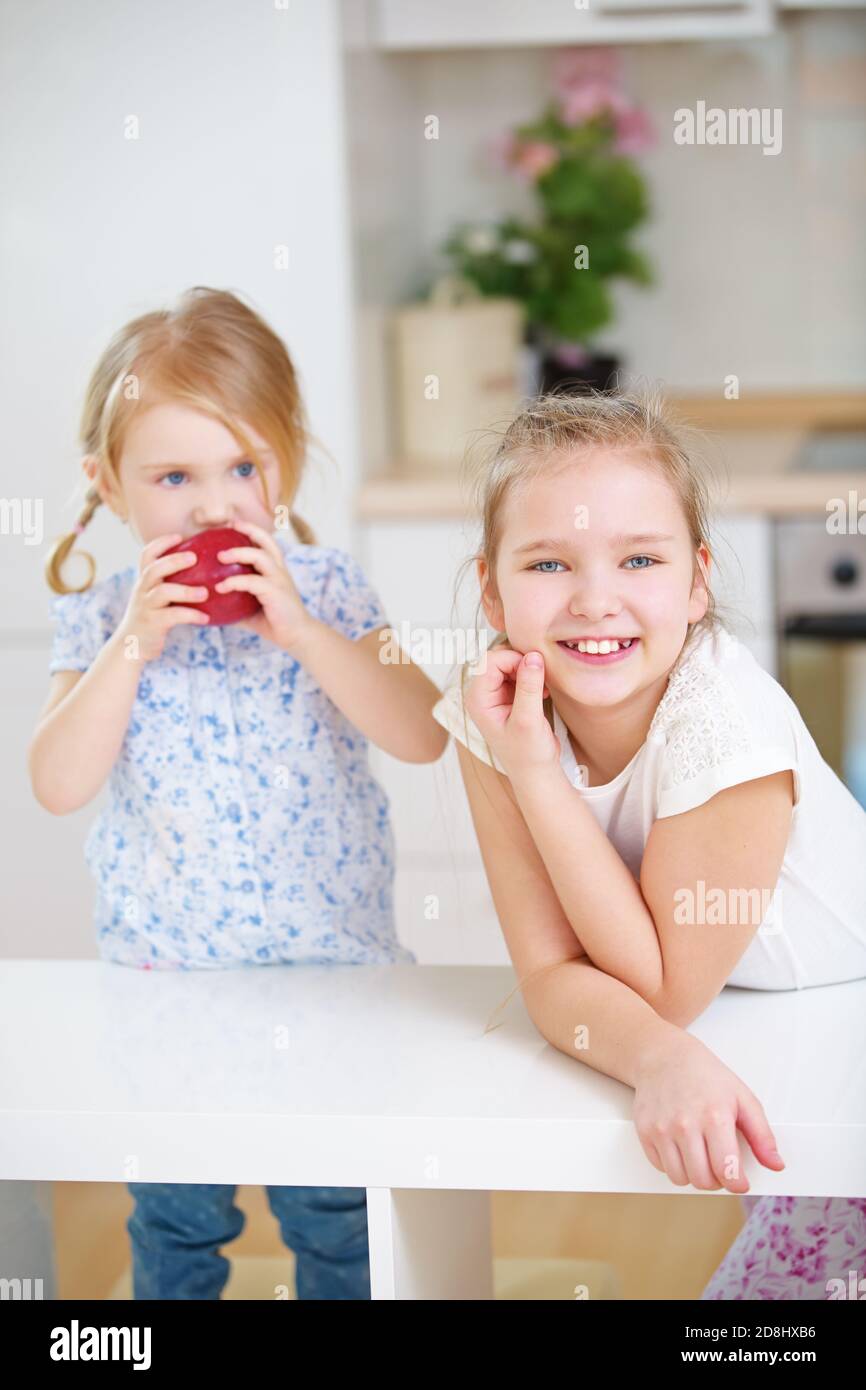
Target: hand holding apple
x,y
221,608
158,602
283,618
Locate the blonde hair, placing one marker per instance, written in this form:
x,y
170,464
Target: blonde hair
x,y
539,441
214,354
551,427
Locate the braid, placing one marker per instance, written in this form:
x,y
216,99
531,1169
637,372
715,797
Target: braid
x,y
61,549
303,531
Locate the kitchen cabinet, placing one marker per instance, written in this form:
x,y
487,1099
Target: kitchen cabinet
x,y
405,25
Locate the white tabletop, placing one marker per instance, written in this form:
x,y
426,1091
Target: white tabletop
x,y
383,1076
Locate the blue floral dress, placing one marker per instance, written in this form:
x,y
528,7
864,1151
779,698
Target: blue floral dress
x,y
242,824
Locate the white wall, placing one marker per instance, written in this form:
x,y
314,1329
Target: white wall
x,y
240,150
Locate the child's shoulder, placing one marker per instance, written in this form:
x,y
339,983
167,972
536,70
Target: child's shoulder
x,y
334,586
723,716
100,599
717,674
317,562
86,619
713,686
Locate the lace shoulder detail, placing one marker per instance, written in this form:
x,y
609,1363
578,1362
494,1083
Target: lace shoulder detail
x,y
699,716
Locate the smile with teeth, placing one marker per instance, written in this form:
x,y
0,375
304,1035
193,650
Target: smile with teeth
x,y
600,648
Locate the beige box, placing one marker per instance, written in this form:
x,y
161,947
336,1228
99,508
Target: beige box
x,y
458,371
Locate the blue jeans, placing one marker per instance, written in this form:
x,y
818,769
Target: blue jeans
x,y
176,1230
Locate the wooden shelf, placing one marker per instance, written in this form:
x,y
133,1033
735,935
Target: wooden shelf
x,y
757,479
794,494
801,410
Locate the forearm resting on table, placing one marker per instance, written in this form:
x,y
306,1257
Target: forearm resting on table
x,y
76,745
390,702
598,1020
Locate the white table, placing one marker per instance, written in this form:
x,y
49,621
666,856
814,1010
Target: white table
x,y
383,1077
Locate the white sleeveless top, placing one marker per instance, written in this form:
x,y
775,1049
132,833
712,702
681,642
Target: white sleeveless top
x,y
722,720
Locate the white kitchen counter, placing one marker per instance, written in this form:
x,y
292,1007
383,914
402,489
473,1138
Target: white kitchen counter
x,y
383,1077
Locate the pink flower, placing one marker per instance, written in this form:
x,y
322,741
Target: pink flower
x,y
574,66
634,132
571,354
534,159
582,103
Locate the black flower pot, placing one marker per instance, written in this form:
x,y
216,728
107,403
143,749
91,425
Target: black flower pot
x,y
599,373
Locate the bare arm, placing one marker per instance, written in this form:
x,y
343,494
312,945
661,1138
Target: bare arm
x,y
389,701
594,885
598,1020
562,989
688,1105
370,679
81,729
82,726
651,935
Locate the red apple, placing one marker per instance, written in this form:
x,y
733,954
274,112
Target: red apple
x,y
222,608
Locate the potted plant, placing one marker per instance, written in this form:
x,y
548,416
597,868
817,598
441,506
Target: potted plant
x,y
578,158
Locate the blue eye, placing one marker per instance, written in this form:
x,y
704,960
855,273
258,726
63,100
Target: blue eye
x,y
641,557
178,473
545,562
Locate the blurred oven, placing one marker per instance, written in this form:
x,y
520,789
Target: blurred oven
x,y
821,632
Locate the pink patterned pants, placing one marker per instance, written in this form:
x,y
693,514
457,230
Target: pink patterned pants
x,y
796,1248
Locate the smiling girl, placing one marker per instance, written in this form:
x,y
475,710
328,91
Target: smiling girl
x,y
242,826
625,758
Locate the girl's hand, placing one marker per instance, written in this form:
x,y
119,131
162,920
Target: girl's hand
x,y
284,616
155,605
687,1108
505,702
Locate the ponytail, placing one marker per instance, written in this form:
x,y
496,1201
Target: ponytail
x,y
61,549
304,533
